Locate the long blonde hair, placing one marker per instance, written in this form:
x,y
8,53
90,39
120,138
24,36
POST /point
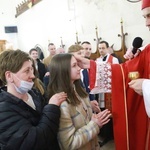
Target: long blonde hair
x,y
38,84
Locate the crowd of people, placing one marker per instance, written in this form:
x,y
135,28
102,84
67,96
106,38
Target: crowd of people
x,y
52,104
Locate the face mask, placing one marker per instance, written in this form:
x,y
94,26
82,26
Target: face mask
x,y
24,87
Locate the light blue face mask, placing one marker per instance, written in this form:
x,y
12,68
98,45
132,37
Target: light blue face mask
x,y
24,87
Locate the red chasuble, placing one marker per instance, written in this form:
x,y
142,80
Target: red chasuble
x,y
130,121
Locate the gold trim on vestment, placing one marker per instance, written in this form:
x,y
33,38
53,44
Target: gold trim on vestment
x,y
125,104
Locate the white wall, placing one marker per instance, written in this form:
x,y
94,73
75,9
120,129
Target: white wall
x,y
51,19
7,18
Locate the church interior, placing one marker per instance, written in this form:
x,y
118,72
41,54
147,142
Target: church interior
x,y
26,24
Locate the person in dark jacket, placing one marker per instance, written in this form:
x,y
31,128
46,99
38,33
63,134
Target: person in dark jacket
x,y
40,67
24,123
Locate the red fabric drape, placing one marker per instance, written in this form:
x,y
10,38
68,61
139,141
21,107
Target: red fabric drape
x,y
92,74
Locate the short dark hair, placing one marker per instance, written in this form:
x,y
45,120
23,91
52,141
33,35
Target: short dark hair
x,y
33,49
106,43
50,44
86,42
12,60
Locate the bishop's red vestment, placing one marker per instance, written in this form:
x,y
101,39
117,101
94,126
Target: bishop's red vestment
x,y
130,121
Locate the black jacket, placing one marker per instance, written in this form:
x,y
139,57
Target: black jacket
x,y
41,69
23,128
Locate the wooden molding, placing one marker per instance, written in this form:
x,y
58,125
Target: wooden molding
x,y
25,5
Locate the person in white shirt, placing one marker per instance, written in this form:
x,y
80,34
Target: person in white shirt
x,y
105,57
103,97
104,54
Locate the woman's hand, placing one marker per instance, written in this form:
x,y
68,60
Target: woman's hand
x,y
95,106
102,117
58,98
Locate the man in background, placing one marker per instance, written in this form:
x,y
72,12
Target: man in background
x,y
86,51
105,98
52,52
60,50
103,47
47,60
